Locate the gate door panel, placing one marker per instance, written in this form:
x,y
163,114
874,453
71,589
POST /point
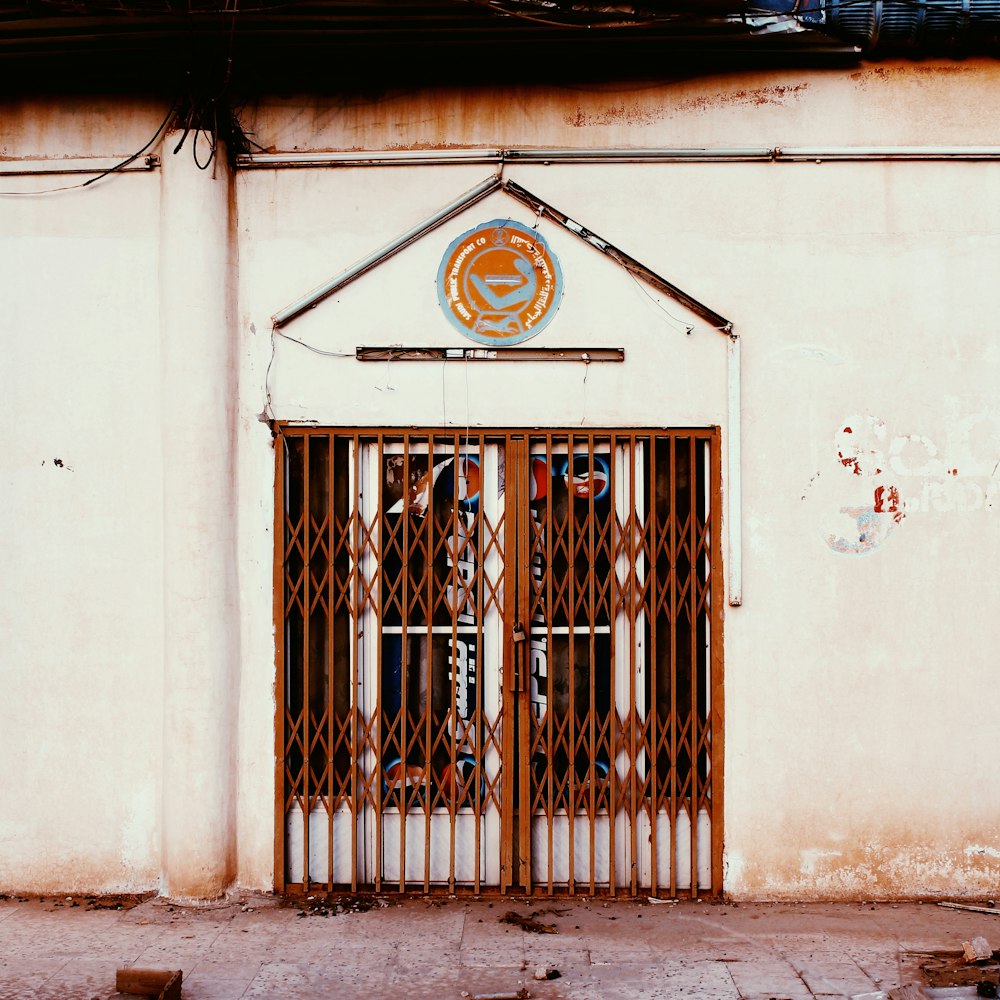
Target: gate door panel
x,y
500,661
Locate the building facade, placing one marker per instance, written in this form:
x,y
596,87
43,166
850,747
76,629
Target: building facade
x,y
568,486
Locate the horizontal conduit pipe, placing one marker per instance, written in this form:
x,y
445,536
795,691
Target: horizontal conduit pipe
x,y
762,154
80,165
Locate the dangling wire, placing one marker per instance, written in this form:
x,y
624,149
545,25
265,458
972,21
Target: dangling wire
x,y
675,321
117,168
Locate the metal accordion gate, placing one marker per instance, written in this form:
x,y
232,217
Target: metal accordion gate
x,y
499,661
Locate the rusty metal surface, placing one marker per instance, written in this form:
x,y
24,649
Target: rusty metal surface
x,y
499,661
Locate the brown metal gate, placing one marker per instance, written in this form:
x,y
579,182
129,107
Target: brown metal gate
x,y
499,661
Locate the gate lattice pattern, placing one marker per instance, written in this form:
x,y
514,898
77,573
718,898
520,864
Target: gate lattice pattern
x,y
499,661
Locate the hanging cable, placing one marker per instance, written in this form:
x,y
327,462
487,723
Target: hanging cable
x,y
117,168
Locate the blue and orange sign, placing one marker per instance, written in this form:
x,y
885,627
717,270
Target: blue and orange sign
x,y
499,283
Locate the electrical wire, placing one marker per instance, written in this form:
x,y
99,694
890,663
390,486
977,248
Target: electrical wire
x,y
117,168
309,347
641,285
268,410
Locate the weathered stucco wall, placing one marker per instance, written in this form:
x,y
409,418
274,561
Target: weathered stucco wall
x,y
81,598
858,760
889,103
864,298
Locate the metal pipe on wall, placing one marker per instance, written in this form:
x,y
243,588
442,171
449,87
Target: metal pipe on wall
x,y
545,156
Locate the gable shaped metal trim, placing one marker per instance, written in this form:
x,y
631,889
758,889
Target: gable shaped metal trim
x,y
634,267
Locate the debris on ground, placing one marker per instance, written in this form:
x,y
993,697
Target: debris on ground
x,y
954,969
543,972
116,901
528,924
990,907
90,901
163,984
334,905
521,994
977,950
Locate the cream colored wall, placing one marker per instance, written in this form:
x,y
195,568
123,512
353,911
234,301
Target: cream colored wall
x,y
865,298
858,756
81,487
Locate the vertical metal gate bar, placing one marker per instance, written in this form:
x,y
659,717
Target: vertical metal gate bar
x,y
647,602
479,529
623,806
692,590
590,556
378,528
484,731
426,585
525,721
674,530
281,710
331,660
572,600
307,631
354,611
615,607
632,456
549,529
404,668
453,689
510,763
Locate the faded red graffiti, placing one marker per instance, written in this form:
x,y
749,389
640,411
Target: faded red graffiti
x,y
887,502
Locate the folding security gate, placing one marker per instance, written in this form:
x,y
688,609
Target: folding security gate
x,y
499,661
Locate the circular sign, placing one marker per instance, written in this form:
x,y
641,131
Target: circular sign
x,y
499,283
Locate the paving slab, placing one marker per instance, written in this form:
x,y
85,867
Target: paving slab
x,y
439,949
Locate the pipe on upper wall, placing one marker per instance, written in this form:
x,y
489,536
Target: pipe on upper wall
x,y
551,156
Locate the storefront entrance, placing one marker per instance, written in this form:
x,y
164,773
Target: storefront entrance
x,y
499,661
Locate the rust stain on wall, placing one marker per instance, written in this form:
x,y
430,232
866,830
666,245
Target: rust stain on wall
x,y
621,114
635,114
777,94
911,71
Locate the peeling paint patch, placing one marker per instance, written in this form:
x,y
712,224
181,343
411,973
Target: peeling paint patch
x,y
870,531
981,851
873,871
858,444
887,502
961,476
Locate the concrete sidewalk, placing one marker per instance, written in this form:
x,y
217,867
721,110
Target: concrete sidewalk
x,y
445,948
